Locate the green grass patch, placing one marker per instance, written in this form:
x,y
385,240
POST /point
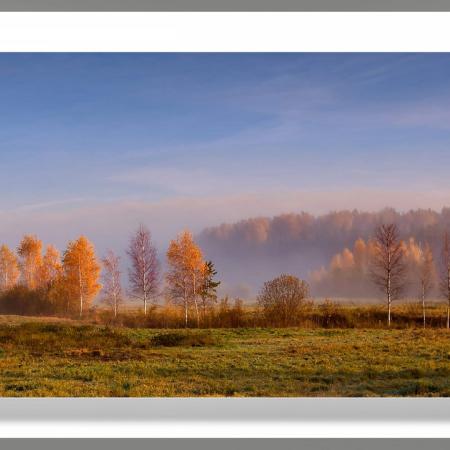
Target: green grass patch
x,y
73,359
187,338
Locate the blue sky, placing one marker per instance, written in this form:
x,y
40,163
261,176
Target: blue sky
x,y
96,143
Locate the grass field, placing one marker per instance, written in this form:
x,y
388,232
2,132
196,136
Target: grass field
x,y
63,358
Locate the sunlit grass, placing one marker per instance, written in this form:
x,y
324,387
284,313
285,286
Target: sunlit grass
x,y
63,359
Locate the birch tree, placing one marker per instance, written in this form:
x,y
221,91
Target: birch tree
x,y
185,275
30,254
51,267
9,269
112,288
81,273
388,268
144,274
445,274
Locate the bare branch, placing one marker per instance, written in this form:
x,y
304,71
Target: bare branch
x,y
112,288
144,275
388,268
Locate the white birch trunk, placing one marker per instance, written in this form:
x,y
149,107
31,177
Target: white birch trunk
x,y
80,286
185,305
389,298
195,302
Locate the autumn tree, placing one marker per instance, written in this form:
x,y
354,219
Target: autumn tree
x,y
144,275
9,269
445,273
185,275
388,268
208,286
282,298
51,267
30,253
112,288
427,273
348,273
81,273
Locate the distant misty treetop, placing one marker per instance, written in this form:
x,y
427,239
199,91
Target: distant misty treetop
x,y
290,232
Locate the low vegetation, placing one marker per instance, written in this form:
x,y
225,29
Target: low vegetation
x,y
33,283
63,358
236,314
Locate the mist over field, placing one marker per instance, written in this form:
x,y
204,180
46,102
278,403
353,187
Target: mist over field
x,y
250,251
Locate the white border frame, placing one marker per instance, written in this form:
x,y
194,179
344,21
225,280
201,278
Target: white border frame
x,y
205,32
225,32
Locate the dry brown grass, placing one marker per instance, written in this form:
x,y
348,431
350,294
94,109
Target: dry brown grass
x,y
59,358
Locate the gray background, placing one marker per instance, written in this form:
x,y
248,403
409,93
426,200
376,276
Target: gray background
x,y
224,5
225,444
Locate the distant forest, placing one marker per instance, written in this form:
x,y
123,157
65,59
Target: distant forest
x,y
315,247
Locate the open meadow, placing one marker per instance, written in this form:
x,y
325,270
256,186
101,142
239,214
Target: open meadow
x,y
52,357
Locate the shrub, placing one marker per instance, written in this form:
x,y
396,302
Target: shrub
x,y
282,299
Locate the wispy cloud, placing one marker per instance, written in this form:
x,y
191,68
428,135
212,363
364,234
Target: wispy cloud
x,y
168,180
51,204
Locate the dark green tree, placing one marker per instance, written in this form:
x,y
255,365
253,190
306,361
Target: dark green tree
x,y
208,291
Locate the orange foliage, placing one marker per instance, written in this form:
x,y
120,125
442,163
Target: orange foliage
x,y
81,273
9,269
30,253
186,269
51,267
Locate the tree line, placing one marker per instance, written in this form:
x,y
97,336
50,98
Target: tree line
x,y
37,282
33,282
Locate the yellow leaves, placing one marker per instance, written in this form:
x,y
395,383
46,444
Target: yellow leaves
x,y
30,253
81,270
9,268
347,273
186,270
30,245
66,284
38,271
412,251
51,267
360,252
358,259
184,254
344,260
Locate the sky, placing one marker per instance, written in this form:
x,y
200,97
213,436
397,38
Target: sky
x,y
96,143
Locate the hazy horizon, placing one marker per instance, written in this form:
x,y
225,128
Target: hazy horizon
x,y
250,251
